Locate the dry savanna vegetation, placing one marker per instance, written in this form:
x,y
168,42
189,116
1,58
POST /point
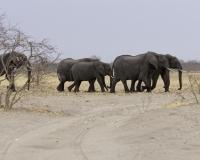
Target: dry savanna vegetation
x,y
42,123
47,87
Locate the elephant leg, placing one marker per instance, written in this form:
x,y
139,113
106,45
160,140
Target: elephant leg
x,y
139,86
71,86
91,87
77,85
114,82
60,86
100,81
154,80
166,80
125,86
132,89
10,78
149,80
146,82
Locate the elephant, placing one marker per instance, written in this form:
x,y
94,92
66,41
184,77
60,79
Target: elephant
x,y
11,61
140,67
63,72
174,63
90,71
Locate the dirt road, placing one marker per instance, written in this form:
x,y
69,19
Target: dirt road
x,y
101,126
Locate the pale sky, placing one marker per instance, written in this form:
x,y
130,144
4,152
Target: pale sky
x,y
109,28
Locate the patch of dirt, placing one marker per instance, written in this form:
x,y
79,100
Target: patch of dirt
x,y
96,126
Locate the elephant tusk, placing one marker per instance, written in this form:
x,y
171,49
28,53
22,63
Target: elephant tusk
x,y
111,76
182,70
29,67
169,69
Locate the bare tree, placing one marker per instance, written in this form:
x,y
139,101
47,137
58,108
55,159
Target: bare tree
x,y
95,57
194,81
21,53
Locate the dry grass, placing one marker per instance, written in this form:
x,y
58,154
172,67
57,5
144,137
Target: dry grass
x,y
177,104
49,85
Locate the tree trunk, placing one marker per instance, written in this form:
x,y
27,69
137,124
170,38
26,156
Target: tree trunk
x,y
7,99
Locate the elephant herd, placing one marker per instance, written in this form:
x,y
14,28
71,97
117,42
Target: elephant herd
x,y
142,68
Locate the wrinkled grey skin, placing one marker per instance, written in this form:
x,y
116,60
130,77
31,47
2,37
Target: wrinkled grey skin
x,y
63,72
90,71
140,67
11,61
174,63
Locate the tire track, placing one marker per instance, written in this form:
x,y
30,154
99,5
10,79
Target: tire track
x,y
75,143
9,140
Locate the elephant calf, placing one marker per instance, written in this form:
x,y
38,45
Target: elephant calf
x,y
90,71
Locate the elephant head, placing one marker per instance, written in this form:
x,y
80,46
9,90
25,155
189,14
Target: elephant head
x,y
108,69
157,60
163,62
104,69
100,68
175,64
18,60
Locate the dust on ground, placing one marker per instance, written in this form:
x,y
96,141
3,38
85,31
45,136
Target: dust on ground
x,y
46,124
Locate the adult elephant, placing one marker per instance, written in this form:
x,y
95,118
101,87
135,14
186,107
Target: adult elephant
x,y
63,71
140,67
174,63
90,71
11,61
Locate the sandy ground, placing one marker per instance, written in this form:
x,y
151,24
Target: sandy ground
x,y
101,126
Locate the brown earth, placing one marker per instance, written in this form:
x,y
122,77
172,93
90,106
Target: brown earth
x,y
101,126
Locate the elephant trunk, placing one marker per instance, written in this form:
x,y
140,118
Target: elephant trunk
x,y
104,84
180,79
179,67
111,79
29,74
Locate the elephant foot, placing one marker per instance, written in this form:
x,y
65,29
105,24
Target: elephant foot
x,y
11,88
143,88
69,89
132,91
111,91
60,89
77,90
91,91
127,91
14,90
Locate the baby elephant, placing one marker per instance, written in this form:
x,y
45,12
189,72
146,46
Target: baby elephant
x,y
90,71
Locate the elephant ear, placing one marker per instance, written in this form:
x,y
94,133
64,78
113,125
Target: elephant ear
x,y
100,68
152,59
